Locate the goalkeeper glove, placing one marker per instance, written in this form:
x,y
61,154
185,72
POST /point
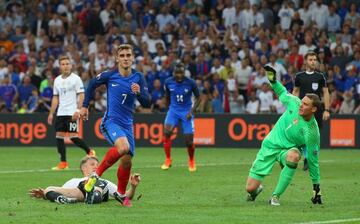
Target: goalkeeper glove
x,y
270,73
316,199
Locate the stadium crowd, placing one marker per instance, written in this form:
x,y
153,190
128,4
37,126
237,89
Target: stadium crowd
x,y
223,45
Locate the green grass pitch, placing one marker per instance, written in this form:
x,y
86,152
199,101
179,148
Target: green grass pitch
x,y
213,194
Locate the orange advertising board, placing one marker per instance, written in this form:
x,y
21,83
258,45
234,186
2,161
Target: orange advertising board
x,y
342,132
204,131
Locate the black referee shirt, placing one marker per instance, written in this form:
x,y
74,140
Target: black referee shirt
x,y
310,83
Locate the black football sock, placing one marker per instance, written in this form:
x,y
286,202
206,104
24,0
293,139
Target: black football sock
x,y
80,143
52,196
61,149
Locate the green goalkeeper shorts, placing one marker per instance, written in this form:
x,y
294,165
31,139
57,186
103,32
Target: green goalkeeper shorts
x,y
265,160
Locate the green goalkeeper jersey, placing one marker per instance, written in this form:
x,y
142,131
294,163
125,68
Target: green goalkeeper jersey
x,y
291,130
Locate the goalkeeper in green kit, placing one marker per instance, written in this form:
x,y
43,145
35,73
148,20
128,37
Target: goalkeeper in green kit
x,y
296,128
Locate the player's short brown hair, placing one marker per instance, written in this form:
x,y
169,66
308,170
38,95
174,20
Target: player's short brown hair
x,y
87,158
64,57
316,102
310,53
124,47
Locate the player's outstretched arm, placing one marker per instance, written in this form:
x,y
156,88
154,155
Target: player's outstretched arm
x,y
278,88
313,146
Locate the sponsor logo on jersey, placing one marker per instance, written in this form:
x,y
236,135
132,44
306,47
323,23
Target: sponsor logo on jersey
x,y
315,86
114,84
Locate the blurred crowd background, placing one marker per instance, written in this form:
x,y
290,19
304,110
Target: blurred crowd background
x,y
223,44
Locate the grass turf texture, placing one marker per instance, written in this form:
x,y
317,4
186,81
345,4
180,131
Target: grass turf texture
x,y
213,194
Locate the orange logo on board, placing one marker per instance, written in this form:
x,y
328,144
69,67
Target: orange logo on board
x,y
204,131
342,132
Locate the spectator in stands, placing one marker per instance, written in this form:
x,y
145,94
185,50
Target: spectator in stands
x,y
218,94
295,58
260,78
224,72
285,14
202,65
333,21
268,15
266,98
206,95
8,95
157,96
320,13
280,70
25,90
340,58
164,17
335,102
308,45
277,107
348,105
353,15
252,107
242,76
236,103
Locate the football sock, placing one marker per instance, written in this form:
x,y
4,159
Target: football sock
x,y
123,175
191,151
285,178
61,149
110,158
52,195
80,143
167,147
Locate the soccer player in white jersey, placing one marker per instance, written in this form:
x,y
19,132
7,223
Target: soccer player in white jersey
x,y
73,190
68,98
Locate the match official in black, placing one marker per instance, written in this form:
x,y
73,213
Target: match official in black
x,y
312,81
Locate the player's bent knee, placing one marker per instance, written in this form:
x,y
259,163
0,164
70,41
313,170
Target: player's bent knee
x,y
293,155
292,158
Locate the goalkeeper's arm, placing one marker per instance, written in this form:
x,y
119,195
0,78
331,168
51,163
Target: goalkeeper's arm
x,y
278,88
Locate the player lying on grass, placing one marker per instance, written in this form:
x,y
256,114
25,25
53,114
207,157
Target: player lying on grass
x,y
73,190
295,129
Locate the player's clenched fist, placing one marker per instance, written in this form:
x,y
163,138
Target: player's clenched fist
x,y
135,88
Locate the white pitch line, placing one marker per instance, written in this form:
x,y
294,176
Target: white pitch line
x,y
331,221
143,167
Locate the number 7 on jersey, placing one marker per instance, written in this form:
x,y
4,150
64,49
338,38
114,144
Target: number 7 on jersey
x,y
124,95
